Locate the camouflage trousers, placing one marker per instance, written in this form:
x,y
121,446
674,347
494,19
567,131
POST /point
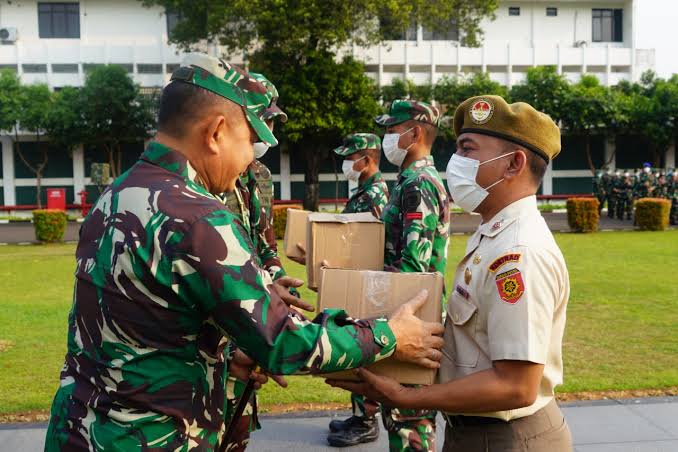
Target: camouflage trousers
x,y
248,422
409,430
673,216
363,407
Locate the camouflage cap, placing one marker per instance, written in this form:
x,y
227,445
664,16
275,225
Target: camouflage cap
x,y
356,142
404,110
230,82
272,111
519,123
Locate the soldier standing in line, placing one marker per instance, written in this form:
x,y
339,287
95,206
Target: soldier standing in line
x,y
599,188
362,154
166,279
417,224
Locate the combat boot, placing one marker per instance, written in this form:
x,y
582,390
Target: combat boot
x,y
354,430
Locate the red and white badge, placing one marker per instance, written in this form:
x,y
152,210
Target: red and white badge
x,y
510,286
481,111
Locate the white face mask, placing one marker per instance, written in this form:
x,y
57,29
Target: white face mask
x,y
349,172
260,149
461,180
395,154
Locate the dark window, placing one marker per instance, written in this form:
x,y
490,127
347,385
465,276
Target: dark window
x,y
514,10
59,20
173,18
552,12
34,68
399,35
149,68
607,25
65,68
171,67
449,33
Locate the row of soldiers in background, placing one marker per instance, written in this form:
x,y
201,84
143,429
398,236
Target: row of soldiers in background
x,y
621,188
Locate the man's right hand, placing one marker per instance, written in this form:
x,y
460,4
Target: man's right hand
x,y
417,341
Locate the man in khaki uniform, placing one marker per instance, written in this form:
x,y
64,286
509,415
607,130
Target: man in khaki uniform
x,y
502,357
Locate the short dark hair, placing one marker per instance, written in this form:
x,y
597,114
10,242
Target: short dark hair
x,y
430,131
182,103
374,154
535,163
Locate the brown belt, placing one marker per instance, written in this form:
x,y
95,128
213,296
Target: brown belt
x,y
469,421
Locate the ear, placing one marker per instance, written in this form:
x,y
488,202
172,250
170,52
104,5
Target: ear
x,y
215,131
417,133
517,164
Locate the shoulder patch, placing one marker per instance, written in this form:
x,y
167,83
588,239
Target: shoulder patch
x,y
411,201
505,259
510,286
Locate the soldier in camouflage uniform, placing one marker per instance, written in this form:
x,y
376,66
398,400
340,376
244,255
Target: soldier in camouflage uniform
x,y
673,196
251,202
599,189
417,223
166,279
362,154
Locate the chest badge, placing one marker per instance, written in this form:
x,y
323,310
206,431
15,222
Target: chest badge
x,y
476,259
467,276
496,225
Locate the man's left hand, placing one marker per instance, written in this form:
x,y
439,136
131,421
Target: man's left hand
x,y
282,288
385,390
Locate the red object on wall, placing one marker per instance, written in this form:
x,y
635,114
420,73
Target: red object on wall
x,y
56,198
83,203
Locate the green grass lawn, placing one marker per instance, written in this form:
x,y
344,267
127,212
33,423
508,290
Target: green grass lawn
x,y
621,326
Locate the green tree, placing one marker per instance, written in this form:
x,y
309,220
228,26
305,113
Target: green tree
x,y
544,89
10,91
590,109
114,113
295,43
406,89
35,102
65,123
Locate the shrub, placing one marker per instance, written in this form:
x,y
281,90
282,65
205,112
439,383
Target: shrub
x,y
280,218
582,214
652,214
50,225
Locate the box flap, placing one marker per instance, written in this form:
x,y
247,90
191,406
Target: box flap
x,y
324,217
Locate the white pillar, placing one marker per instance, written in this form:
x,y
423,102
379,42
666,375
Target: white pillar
x,y
547,183
8,171
610,153
380,74
608,66
584,66
509,66
78,173
483,60
406,64
285,183
433,63
560,59
670,157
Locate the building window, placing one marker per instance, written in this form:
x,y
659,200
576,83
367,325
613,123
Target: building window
x,y
607,25
173,18
514,10
551,12
448,33
143,68
390,34
34,68
59,20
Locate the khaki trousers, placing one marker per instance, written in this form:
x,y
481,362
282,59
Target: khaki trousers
x,y
543,431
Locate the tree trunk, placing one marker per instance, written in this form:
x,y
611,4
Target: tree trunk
x,y
311,178
336,182
589,160
111,161
39,170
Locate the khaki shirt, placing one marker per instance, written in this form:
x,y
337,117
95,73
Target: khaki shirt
x,y
508,302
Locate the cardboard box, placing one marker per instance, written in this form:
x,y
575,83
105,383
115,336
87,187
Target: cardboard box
x,y
365,294
353,241
295,231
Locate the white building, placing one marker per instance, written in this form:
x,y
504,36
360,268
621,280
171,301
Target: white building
x,y
55,43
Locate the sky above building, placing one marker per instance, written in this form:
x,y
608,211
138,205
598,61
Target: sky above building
x,y
657,28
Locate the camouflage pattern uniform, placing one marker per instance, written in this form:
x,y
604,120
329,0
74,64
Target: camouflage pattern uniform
x,y
370,196
673,196
252,202
166,279
417,222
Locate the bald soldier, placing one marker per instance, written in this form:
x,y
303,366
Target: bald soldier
x,y
502,357
166,278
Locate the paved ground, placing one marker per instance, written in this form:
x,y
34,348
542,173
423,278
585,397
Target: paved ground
x,y
461,223
634,425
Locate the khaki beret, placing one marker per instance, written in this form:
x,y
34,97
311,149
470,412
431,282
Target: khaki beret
x,y
519,123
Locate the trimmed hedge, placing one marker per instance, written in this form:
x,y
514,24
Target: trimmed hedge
x,y
50,225
582,214
652,214
280,218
